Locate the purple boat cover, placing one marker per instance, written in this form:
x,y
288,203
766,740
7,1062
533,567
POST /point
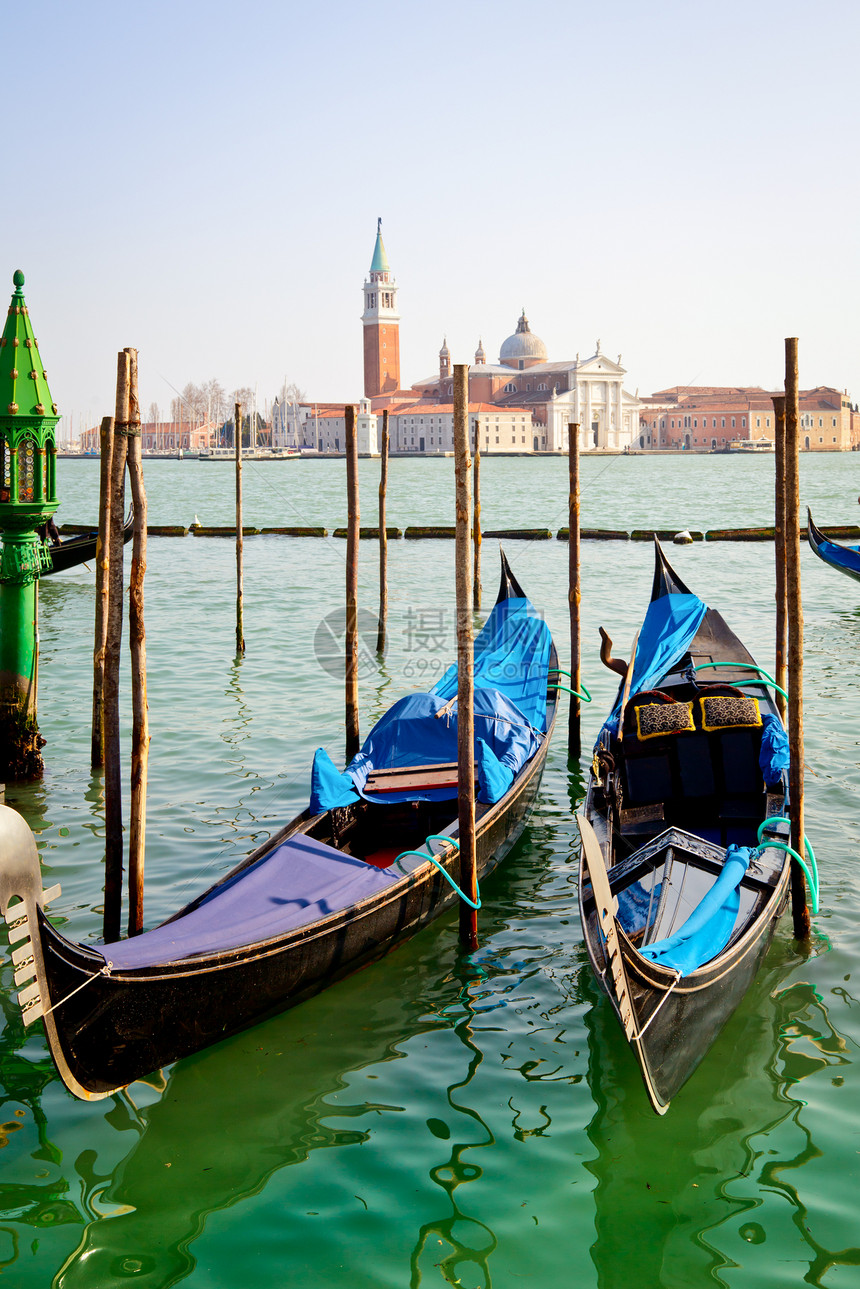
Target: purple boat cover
x,y
301,881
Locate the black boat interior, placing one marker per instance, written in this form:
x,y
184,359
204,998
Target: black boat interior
x,y
689,756
378,833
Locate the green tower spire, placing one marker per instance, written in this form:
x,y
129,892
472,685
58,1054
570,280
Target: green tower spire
x,y
379,263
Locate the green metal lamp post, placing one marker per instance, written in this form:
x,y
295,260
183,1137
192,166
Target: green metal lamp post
x,y
28,499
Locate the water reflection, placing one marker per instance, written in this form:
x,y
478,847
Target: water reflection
x,y
466,1243
227,1121
675,1195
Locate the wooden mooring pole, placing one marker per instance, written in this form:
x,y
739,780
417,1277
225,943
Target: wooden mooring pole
x,y
476,525
779,552
240,588
97,743
113,643
383,537
353,521
465,662
800,912
574,594
137,642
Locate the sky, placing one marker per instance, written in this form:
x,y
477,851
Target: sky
x,y
202,182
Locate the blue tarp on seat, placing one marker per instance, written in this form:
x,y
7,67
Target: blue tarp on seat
x,y
511,668
299,882
709,927
668,631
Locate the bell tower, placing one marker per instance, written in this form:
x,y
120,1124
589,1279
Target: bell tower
x,y
381,323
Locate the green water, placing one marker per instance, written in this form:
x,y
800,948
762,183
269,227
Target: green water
x,y
434,1119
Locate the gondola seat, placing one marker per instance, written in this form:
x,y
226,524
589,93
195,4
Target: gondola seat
x,y
702,770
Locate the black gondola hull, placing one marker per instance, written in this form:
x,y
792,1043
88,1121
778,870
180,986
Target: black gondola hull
x,y
671,1022
80,550
845,559
694,1013
124,1025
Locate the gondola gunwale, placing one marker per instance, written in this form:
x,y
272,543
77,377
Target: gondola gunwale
x,y
314,951
755,938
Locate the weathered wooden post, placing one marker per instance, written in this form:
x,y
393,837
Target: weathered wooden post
x,y
240,591
28,499
137,641
465,663
113,643
779,551
352,534
383,538
97,744
476,524
574,594
800,912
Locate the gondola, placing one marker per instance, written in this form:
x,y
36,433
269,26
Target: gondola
x,y
337,886
682,879
845,558
81,549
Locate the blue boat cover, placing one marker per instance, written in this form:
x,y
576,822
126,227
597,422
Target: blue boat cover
x,y
708,928
299,882
668,631
774,756
511,667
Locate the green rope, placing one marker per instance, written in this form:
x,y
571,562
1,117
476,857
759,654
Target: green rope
x,y
811,871
750,666
584,697
425,855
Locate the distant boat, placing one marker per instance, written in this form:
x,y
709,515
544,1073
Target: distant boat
x,y
249,454
845,558
747,446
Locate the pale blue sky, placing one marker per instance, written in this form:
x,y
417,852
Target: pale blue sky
x,y
202,181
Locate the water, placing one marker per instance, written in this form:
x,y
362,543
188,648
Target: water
x,y
434,1119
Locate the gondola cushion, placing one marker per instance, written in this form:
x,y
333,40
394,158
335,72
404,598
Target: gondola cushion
x,y
720,712
654,719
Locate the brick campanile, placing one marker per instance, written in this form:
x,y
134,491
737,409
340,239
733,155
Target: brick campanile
x,y
381,323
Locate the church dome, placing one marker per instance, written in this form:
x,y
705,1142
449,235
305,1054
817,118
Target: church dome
x,y
523,345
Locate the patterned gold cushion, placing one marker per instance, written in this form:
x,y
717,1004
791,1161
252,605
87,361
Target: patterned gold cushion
x,y
719,712
653,719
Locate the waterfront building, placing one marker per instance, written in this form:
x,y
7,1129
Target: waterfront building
x,y
589,391
324,428
428,429
710,418
160,436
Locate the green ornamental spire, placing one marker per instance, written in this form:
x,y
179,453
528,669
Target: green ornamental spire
x,y
24,388
28,498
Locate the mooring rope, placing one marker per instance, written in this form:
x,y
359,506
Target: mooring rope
x,y
104,971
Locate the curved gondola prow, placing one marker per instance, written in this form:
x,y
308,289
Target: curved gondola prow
x,y
814,535
509,587
666,580
22,905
